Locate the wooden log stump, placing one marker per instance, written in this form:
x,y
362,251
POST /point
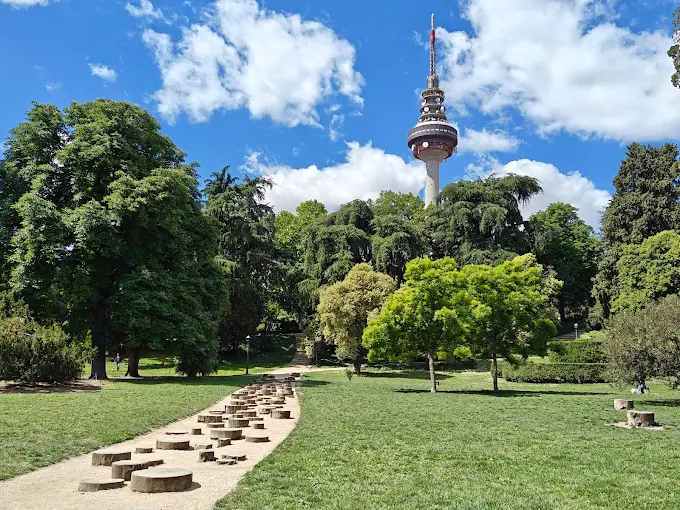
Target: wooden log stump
x,y
172,444
228,462
236,423
206,456
239,457
100,484
209,418
255,418
215,425
226,434
196,431
640,418
161,480
249,413
222,442
621,404
257,425
154,462
124,468
107,457
176,433
215,411
203,446
257,439
143,449
231,409
278,401
280,414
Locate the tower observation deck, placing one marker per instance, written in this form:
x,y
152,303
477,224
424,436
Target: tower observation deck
x,y
433,139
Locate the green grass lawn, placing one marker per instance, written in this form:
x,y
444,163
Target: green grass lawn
x,y
383,441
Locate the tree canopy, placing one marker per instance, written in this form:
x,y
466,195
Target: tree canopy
x,y
674,51
480,222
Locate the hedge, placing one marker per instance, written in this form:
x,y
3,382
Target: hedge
x,y
553,372
587,349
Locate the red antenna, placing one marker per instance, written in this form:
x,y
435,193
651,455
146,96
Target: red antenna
x,y
433,50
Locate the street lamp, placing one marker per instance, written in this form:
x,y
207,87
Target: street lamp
x,y
576,330
247,352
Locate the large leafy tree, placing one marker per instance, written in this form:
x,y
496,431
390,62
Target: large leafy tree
x,y
646,272
562,240
246,245
674,51
399,235
511,308
344,309
425,317
480,221
646,201
111,198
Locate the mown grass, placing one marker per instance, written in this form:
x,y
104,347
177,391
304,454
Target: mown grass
x,y
383,441
38,429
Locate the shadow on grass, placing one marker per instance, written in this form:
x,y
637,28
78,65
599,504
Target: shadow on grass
x,y
405,374
506,393
664,403
309,383
211,380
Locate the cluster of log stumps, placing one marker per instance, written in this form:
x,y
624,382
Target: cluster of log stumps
x,y
247,409
634,417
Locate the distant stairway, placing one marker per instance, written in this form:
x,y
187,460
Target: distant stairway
x,y
300,357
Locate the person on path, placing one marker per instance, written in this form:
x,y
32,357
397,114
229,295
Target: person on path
x,y
117,362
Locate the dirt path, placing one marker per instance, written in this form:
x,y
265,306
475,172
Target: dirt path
x,y
56,486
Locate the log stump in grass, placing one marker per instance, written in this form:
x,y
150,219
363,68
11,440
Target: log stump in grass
x,y
621,404
640,418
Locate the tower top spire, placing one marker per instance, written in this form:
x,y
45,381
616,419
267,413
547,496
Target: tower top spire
x,y
433,50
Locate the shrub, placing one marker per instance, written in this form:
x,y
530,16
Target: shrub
x,y
553,372
587,349
32,353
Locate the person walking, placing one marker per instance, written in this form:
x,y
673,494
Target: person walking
x,y
117,362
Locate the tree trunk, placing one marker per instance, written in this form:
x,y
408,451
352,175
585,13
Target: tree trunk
x,y
495,366
563,315
133,363
357,364
99,365
433,380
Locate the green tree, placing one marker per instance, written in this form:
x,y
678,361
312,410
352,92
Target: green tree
x,y
674,51
292,229
247,254
646,272
109,196
480,222
344,309
562,240
645,343
424,317
646,201
404,205
511,308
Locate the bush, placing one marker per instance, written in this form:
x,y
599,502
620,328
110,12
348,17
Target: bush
x,y
553,372
32,353
587,349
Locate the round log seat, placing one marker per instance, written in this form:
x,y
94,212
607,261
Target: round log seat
x,y
172,444
226,434
143,449
196,431
621,404
280,414
100,484
209,418
108,457
236,423
257,439
257,425
640,418
215,425
161,480
124,468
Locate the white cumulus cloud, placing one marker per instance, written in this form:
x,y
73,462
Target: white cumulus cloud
x,y
365,172
145,9
104,72
244,56
564,65
24,3
484,141
572,188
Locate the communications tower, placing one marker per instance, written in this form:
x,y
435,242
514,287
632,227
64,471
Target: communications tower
x,y
433,139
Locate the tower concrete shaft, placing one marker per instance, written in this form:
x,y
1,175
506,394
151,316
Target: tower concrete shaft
x,y
433,139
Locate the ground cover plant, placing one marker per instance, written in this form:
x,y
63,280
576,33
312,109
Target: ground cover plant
x,y
384,441
38,429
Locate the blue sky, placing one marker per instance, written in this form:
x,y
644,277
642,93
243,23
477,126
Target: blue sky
x,y
320,95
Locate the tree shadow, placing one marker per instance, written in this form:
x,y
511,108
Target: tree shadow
x,y
505,393
309,383
210,380
405,374
663,403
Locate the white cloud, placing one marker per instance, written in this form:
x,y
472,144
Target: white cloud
x,y
145,9
52,86
335,125
564,65
104,72
19,4
572,188
365,172
275,65
482,142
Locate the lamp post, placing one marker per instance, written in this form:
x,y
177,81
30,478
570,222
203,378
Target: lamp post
x,y
247,352
576,330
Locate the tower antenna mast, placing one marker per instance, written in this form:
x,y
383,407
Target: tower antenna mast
x,y
433,50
